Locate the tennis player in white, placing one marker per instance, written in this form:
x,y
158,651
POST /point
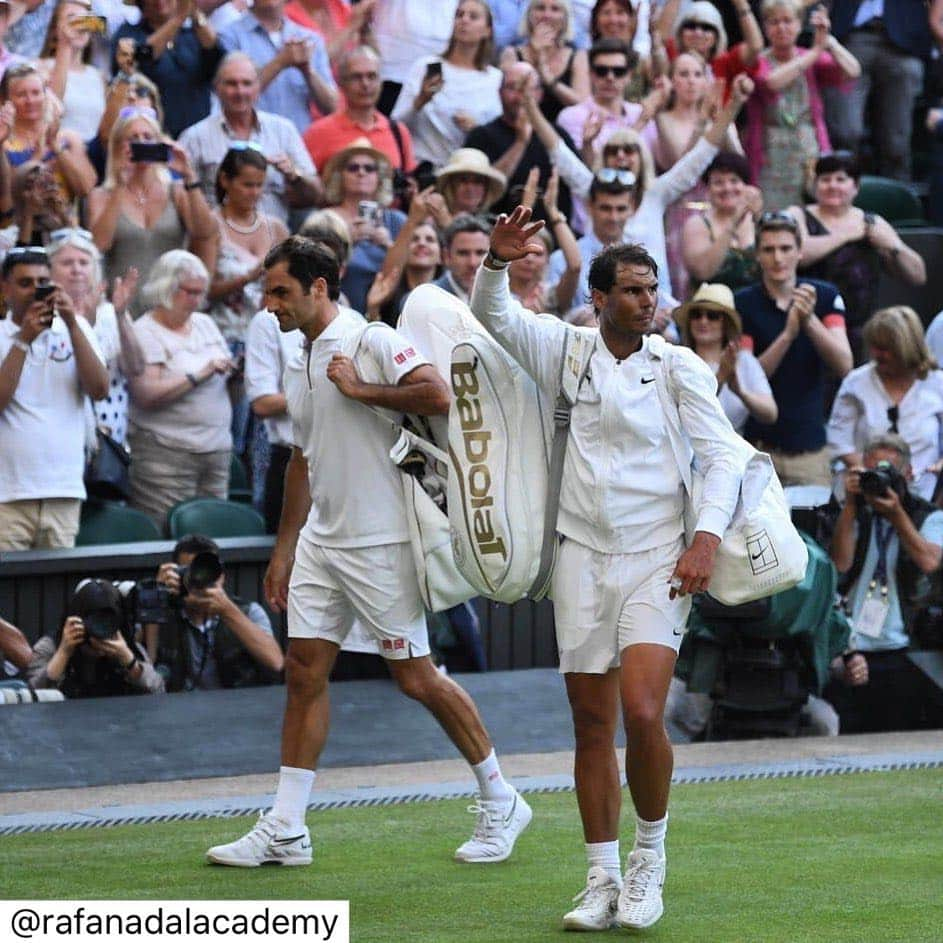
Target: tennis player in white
x,y
343,551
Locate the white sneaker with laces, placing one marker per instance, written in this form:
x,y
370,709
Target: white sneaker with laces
x,y
499,823
269,842
640,903
597,903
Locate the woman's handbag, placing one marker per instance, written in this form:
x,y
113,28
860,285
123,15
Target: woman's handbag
x,y
106,474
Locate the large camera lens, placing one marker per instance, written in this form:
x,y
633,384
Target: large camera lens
x,y
204,570
101,624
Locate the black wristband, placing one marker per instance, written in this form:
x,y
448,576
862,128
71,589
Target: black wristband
x,y
130,666
493,257
191,186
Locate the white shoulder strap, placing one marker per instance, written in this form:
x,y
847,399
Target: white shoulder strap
x,y
668,397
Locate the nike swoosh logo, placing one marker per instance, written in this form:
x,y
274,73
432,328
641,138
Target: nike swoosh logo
x,y
286,841
648,379
756,556
676,632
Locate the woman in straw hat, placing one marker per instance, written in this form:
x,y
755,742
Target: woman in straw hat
x,y
469,183
358,186
710,325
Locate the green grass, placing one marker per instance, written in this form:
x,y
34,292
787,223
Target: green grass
x,y
856,858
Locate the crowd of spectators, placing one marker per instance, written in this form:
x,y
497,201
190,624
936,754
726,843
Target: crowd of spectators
x,y
152,153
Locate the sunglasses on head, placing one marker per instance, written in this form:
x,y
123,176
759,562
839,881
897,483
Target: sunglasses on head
x,y
245,146
699,25
57,235
616,71
708,313
136,111
615,175
778,218
354,167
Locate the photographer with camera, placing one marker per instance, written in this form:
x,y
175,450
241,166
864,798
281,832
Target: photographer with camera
x,y
198,635
887,543
49,362
94,653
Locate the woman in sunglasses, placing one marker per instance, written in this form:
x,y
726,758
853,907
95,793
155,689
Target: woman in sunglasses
x,y
899,390
547,28
710,326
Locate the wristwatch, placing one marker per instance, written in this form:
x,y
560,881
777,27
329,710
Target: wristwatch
x,y
494,261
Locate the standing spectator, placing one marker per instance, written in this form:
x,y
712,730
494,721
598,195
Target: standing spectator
x,y
181,57
547,26
507,16
465,245
140,212
786,130
26,34
848,247
341,24
291,181
38,206
899,390
76,265
891,41
797,331
8,57
49,363
359,77
619,20
294,70
468,182
65,61
445,96
180,410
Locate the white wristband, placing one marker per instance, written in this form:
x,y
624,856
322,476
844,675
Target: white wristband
x,y
21,345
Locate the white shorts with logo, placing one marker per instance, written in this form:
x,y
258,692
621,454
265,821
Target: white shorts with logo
x,y
331,586
604,602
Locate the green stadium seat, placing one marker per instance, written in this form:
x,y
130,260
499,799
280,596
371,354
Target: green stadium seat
x,y
214,518
106,522
893,200
239,488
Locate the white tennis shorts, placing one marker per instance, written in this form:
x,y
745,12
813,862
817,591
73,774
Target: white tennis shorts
x,y
330,586
604,602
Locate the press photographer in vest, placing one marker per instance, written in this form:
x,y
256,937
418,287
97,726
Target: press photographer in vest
x,y
887,546
201,637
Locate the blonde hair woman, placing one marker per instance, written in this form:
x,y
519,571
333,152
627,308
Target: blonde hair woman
x,y
900,389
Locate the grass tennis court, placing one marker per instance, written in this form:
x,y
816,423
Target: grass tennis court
x,y
856,858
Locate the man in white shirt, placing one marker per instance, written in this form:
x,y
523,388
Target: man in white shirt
x,y
49,363
343,552
622,584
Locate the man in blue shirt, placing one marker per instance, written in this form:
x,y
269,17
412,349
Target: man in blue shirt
x,y
886,542
798,333
293,64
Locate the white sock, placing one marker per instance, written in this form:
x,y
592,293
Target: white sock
x,y
651,835
291,796
605,855
491,784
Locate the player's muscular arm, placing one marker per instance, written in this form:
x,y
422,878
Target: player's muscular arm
x,y
421,391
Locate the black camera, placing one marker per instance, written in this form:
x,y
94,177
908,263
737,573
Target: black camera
x,y
201,572
143,53
151,602
100,606
875,482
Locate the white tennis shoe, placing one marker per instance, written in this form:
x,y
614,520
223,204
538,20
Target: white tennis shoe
x,y
640,903
269,842
499,823
597,902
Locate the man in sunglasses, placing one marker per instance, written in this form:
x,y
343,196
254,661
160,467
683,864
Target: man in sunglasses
x,y
49,363
797,328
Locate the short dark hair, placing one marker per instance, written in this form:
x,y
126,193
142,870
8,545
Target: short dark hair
x,y
606,47
727,162
465,222
307,260
839,160
614,188
603,268
194,543
23,255
626,5
778,221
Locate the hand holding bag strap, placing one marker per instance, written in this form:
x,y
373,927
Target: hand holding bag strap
x,y
578,348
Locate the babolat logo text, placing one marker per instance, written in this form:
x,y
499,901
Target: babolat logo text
x,y
476,441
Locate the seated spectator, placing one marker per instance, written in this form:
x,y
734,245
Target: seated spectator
x,y
291,182
210,639
359,78
140,212
342,25
181,57
887,541
294,70
710,326
445,96
510,143
76,265
15,651
796,329
786,130
414,259
465,244
719,244
65,61
848,247
38,206
179,433
547,28
36,134
94,653
899,390
49,363
891,40
358,185
469,183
